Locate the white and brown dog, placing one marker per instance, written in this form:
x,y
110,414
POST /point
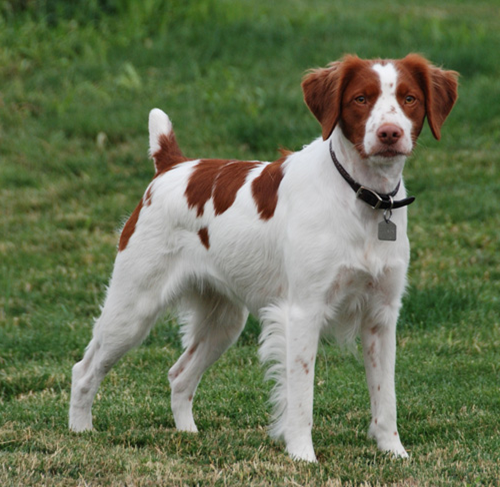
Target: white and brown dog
x,y
313,242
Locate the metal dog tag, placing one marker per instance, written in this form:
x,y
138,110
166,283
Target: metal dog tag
x,y
387,231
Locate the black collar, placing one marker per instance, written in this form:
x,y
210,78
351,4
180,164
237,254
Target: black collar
x,y
378,201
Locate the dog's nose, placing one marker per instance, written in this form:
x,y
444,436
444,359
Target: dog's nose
x,y
389,133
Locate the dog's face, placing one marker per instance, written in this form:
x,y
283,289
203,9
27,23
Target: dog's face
x,y
381,105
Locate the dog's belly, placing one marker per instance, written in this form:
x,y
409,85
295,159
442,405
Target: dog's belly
x,y
251,273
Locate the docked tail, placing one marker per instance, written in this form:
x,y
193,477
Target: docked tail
x,y
163,147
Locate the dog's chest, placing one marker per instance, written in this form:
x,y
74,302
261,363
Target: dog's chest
x,y
370,274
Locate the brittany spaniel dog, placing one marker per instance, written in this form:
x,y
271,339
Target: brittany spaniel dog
x,y
312,243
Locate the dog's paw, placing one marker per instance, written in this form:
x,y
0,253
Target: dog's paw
x,y
80,418
80,424
187,428
401,454
393,448
396,451
390,444
302,453
183,417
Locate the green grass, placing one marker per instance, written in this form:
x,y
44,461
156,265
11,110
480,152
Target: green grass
x,y
76,86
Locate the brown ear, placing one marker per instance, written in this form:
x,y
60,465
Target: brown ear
x,y
440,88
323,95
444,94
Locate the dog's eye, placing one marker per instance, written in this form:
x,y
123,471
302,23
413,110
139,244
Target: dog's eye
x,y
361,100
410,100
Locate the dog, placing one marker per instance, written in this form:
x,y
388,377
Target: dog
x,y
312,243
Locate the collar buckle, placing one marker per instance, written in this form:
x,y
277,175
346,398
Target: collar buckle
x,y
376,197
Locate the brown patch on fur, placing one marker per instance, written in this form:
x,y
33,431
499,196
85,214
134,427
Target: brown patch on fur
x,y
265,188
129,227
230,179
169,154
371,352
201,182
218,179
439,89
203,234
304,364
360,79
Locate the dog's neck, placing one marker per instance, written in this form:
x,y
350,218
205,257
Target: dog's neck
x,y
376,173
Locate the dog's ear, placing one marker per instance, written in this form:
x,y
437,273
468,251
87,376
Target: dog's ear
x,y
443,95
323,90
440,88
323,95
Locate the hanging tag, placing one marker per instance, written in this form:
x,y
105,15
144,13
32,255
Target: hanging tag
x,y
387,231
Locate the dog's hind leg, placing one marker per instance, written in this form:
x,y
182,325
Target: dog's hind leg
x,y
115,333
212,324
134,300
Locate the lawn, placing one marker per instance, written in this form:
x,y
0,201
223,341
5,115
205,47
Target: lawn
x,y
76,86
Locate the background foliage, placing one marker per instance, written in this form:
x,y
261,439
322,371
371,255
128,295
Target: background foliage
x,y
76,84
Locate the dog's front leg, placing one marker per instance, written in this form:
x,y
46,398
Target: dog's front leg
x,y
302,346
289,342
379,352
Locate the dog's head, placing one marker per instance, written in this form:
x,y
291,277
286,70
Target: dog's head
x,y
381,105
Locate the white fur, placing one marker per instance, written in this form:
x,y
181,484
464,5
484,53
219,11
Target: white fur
x,y
159,124
316,266
387,111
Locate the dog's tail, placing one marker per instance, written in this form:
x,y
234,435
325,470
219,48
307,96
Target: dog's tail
x,y
163,147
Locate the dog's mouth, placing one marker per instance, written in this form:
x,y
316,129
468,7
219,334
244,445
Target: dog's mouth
x,y
386,153
390,153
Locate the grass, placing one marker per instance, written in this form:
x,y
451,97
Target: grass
x,y
76,85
